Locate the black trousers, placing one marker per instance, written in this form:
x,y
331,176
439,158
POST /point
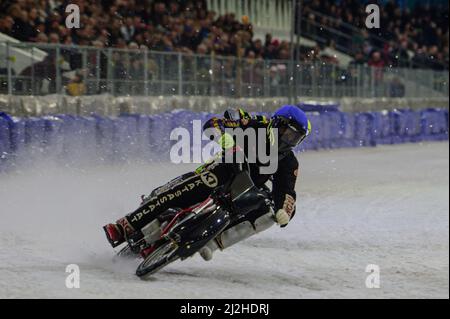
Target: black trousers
x,y
181,192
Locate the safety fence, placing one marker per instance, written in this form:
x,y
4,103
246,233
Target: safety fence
x,y
80,139
41,69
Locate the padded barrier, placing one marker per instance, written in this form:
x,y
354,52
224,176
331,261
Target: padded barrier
x,y
72,139
5,139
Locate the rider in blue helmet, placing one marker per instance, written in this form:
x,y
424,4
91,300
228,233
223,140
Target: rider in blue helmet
x,y
293,127
289,124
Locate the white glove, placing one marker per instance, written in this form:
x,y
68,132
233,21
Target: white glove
x,y
282,217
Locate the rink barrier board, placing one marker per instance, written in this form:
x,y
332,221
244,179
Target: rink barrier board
x,y
73,138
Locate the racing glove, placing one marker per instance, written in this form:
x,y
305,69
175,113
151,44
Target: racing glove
x,y
282,217
284,214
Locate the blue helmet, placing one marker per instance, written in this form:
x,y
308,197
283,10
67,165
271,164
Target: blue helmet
x,y
293,127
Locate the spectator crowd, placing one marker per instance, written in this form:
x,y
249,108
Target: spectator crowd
x,y
417,37
177,25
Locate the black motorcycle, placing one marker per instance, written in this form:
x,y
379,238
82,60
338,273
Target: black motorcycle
x,y
185,231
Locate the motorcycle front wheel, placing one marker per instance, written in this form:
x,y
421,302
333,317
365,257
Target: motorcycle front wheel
x,y
159,258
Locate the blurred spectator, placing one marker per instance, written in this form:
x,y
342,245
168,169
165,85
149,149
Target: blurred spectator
x,y
376,61
396,88
400,54
6,25
44,74
360,59
378,64
76,87
253,70
128,30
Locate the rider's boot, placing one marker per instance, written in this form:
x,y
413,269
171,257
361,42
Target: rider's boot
x,y
119,232
236,234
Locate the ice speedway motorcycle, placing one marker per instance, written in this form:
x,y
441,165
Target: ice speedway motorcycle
x,y
182,232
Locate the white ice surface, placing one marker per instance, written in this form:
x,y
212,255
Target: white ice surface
x,y
387,206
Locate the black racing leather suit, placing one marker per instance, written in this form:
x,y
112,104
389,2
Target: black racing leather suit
x,y
194,187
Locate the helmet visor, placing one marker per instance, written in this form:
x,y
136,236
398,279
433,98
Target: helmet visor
x,y
291,135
